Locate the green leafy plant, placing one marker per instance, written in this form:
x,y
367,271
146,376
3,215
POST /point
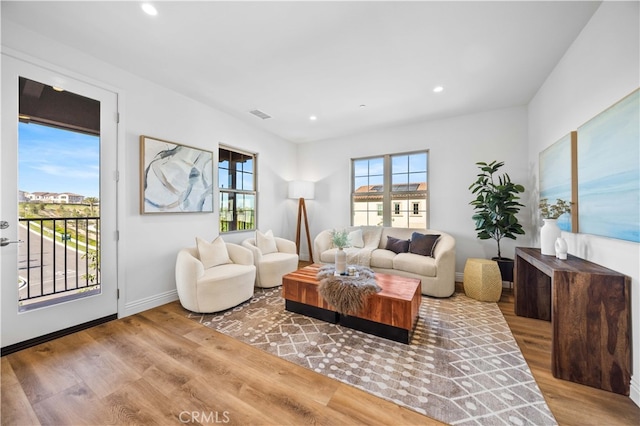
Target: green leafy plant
x,y
94,266
554,211
340,238
496,204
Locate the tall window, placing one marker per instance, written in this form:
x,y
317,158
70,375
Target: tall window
x,y
237,183
398,183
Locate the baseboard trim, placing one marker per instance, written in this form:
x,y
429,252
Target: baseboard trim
x,y
56,334
147,303
634,392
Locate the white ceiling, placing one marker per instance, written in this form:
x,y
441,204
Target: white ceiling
x,y
296,59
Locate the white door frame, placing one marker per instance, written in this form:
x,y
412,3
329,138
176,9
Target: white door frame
x,y
20,327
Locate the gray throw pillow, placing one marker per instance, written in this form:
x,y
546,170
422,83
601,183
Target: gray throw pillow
x,y
397,245
423,244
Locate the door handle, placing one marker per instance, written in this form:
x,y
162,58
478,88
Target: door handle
x,y
6,242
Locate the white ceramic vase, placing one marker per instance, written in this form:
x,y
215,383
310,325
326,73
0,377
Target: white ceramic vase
x,y
341,261
549,233
561,248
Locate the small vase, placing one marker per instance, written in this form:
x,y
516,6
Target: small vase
x,y
561,248
548,235
341,261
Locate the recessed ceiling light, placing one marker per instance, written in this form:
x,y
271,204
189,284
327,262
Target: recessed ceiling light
x,y
438,89
363,106
149,9
57,89
313,118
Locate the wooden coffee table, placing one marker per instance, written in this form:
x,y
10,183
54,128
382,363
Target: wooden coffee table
x,y
392,313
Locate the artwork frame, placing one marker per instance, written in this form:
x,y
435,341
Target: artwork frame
x,y
175,178
609,171
558,178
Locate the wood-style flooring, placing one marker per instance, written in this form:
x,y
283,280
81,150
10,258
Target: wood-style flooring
x,y
160,368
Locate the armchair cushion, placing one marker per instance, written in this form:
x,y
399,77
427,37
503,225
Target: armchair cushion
x,y
214,253
266,242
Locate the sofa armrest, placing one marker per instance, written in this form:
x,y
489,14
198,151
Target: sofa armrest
x,y
445,256
240,255
285,246
321,243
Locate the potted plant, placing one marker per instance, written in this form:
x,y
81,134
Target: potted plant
x,y
496,206
550,231
340,239
554,211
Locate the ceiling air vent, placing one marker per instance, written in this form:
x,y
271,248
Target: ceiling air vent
x,y
260,114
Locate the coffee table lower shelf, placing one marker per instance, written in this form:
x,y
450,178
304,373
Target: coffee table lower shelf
x,y
377,329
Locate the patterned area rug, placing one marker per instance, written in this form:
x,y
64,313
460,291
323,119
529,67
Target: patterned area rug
x,y
462,366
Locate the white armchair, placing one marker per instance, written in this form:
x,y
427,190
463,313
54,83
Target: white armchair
x,y
216,288
272,263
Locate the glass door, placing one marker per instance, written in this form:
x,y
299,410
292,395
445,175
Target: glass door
x,y
57,208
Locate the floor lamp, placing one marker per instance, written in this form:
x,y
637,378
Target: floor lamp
x,y
302,190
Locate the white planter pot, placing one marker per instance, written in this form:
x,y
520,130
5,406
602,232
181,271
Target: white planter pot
x,y
549,233
341,261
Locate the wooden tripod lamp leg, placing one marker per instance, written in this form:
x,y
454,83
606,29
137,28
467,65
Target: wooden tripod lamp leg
x,y
302,209
306,227
300,206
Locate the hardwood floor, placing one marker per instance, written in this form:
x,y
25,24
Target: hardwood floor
x,y
158,367
570,403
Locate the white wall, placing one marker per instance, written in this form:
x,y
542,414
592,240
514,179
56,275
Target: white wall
x,y
149,243
601,67
454,145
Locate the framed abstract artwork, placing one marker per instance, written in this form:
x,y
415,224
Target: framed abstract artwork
x,y
609,171
558,178
174,178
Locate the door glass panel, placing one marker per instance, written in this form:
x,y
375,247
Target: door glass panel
x,y
58,195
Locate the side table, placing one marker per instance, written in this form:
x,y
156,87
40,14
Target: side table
x,y
589,307
482,280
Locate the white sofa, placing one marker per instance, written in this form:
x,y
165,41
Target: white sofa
x,y
437,273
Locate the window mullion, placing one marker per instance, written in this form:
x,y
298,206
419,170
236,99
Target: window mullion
x,y
386,195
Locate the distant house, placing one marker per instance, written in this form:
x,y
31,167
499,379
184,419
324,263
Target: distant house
x,y
54,197
408,205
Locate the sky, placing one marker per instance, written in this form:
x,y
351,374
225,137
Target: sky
x,y
55,160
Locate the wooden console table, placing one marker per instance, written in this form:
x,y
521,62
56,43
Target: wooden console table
x,y
589,309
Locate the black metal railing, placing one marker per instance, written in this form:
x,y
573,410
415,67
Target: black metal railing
x,y
59,259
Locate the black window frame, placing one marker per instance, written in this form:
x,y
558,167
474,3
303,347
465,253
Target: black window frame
x,y
240,185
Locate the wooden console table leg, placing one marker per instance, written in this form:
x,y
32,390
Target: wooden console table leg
x,y
590,333
532,291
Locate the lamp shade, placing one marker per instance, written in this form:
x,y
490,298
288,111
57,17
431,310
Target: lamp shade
x,y
301,189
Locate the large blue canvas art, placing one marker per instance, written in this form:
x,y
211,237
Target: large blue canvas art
x,y
174,178
556,177
609,172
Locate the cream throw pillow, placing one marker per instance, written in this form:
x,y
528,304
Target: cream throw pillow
x,y
355,238
266,242
212,253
